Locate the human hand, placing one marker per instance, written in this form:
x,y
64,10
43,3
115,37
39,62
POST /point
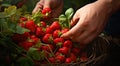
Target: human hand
x,y
88,22
55,5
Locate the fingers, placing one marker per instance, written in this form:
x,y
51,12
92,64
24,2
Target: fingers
x,y
38,6
75,19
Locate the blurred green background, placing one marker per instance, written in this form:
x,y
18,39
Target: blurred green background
x,y
30,4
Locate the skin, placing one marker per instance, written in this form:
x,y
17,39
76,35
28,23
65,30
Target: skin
x,y
55,5
89,21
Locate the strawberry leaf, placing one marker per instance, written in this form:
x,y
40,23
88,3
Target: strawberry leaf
x,y
24,61
10,10
69,12
34,54
21,30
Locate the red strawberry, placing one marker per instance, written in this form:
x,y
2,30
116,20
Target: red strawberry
x,y
73,57
40,31
58,41
26,44
23,19
20,37
42,24
35,39
68,60
68,44
76,51
55,25
64,50
47,38
48,47
65,30
52,60
30,25
46,10
49,30
56,34
60,58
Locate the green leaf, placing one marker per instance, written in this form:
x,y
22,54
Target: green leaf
x,y
24,61
34,53
21,30
62,17
10,10
69,12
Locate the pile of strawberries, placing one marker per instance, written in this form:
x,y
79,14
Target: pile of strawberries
x,y
46,38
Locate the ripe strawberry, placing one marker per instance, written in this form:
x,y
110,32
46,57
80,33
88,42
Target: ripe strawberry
x,y
46,11
73,57
60,58
64,30
35,39
55,25
47,47
23,19
68,44
52,60
64,50
68,60
47,38
42,24
20,37
30,25
26,44
56,34
58,41
76,51
40,31
49,30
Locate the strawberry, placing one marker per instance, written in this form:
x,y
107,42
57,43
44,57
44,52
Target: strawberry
x,y
26,44
23,19
20,37
68,44
46,11
49,30
42,24
58,41
35,39
55,25
52,60
30,25
48,47
64,50
64,30
47,38
40,31
76,51
56,34
68,60
73,57
60,58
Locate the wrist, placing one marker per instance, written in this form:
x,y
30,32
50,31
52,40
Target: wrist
x,y
113,5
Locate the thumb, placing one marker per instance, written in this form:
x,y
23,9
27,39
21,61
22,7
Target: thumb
x,y
67,35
